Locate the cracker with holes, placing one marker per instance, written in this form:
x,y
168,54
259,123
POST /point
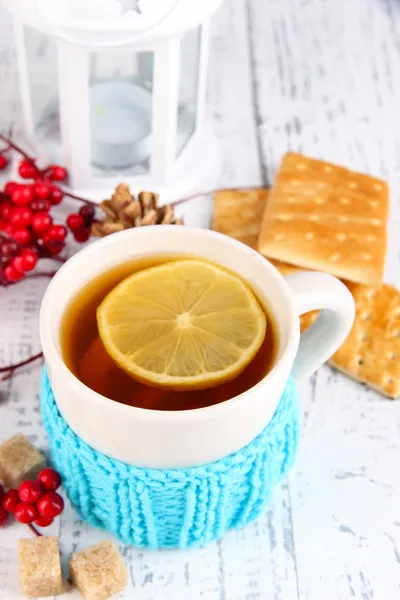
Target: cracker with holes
x,y
324,217
238,214
371,353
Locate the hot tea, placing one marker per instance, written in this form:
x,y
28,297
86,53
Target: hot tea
x,y
86,356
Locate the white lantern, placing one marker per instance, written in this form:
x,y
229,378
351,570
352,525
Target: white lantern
x,y
115,90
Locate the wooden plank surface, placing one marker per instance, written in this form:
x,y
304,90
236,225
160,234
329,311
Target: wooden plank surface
x,y
322,77
323,89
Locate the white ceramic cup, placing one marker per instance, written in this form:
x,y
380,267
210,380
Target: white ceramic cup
x,y
176,439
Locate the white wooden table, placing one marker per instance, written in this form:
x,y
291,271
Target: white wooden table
x,y
321,77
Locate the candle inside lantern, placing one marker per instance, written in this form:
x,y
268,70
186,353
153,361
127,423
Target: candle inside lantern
x,y
120,118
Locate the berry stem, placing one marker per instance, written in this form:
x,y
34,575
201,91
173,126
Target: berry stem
x,y
11,144
6,149
43,254
59,259
34,530
10,369
79,198
48,274
208,192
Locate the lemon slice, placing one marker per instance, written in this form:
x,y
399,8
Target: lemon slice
x,y
186,324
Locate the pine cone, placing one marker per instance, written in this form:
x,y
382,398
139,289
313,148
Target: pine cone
x,y
124,211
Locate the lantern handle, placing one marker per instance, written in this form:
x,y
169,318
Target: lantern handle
x,y
60,32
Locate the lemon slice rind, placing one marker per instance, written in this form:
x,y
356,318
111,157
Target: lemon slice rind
x,y
186,324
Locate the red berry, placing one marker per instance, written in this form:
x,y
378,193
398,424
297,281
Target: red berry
x,y
50,505
21,195
40,205
41,222
10,187
22,236
7,227
75,222
42,189
8,248
29,491
49,480
16,264
87,212
12,274
3,516
44,521
82,235
21,216
56,173
54,248
10,501
27,169
25,261
2,492
6,208
46,240
56,233
3,162
29,260
26,512
56,195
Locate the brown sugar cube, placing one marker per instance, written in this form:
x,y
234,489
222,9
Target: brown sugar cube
x,y
238,214
371,353
19,460
99,571
324,217
39,566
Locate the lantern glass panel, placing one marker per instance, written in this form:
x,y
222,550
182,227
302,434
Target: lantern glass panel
x,y
42,68
120,105
188,87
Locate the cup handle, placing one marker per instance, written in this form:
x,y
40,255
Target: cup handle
x,y
320,291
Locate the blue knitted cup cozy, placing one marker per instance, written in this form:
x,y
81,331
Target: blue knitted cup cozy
x,y
179,508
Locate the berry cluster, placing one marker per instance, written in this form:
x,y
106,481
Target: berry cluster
x,y
27,229
34,501
81,222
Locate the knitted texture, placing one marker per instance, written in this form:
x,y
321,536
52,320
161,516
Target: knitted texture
x,y
173,508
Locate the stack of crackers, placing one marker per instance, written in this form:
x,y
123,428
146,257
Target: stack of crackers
x,y
319,216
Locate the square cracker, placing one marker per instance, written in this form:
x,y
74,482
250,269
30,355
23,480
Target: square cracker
x,y
238,214
371,353
325,217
